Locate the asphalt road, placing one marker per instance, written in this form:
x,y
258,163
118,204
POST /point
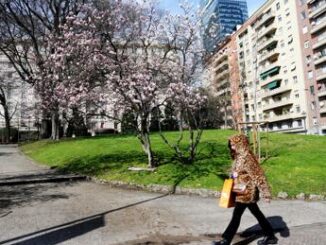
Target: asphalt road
x,y
80,212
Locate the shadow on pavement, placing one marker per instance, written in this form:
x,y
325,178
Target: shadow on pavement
x,y
69,230
255,232
17,196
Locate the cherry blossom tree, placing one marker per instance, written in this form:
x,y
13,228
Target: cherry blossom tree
x,y
130,55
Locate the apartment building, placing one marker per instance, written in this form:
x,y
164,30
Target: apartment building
x,y
281,62
225,82
316,23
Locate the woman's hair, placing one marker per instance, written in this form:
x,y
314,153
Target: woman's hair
x,y
232,152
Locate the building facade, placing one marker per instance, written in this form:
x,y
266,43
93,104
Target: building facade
x,y
316,23
224,83
220,18
20,99
282,66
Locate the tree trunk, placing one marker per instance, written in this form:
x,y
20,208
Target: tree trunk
x,y
146,142
55,126
8,126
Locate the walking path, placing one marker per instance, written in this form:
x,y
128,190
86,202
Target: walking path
x,y
89,213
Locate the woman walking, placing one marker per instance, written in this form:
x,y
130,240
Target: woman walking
x,y
249,181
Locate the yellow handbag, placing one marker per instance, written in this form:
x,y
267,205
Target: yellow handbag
x,y
227,199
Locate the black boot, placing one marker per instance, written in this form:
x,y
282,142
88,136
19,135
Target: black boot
x,y
221,242
268,240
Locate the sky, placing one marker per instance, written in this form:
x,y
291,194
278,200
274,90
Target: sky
x,y
172,5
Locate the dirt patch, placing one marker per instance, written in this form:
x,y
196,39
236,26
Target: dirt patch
x,y
166,240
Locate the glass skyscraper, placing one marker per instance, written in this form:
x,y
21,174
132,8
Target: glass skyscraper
x,y
220,18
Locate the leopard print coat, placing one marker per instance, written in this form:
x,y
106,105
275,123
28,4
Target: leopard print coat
x,y
248,171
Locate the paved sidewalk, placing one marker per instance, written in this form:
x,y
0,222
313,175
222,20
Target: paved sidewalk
x,y
17,169
91,213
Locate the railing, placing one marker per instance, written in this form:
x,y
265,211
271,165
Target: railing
x,y
279,90
275,104
266,30
266,54
266,42
282,117
318,26
264,19
317,10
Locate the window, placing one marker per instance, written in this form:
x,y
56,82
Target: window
x,y
312,90
304,29
295,79
303,15
302,2
299,122
310,74
280,18
307,44
293,66
297,96
313,105
298,108
286,1
290,39
278,6
308,59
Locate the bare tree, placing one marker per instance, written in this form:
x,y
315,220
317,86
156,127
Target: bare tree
x,y
24,26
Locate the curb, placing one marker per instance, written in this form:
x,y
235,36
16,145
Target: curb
x,y
165,189
42,180
162,189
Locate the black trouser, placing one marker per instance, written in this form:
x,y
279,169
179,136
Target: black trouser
x,y
236,218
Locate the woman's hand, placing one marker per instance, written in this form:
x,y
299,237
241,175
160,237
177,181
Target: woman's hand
x,y
268,200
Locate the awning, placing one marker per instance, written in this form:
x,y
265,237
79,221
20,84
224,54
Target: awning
x,y
273,85
265,74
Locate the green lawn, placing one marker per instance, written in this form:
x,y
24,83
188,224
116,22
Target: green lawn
x,y
295,163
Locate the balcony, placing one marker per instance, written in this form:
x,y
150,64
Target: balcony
x,y
220,58
311,1
222,65
266,30
222,75
284,117
321,76
279,90
318,10
268,70
271,79
223,91
322,93
268,54
319,59
266,17
320,42
322,110
266,43
316,28
284,102
222,84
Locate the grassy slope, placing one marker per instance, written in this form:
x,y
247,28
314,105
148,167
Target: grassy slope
x,y
296,163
